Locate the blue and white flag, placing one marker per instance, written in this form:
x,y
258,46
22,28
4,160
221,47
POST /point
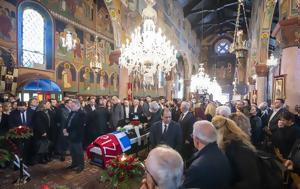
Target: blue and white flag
x,y
123,140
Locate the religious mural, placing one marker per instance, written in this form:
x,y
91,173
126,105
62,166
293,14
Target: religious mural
x,y
114,82
66,77
8,22
102,82
86,81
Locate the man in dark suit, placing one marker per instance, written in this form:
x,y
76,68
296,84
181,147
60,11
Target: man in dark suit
x,y
166,132
75,132
136,111
275,115
97,123
210,168
91,106
19,116
32,105
186,121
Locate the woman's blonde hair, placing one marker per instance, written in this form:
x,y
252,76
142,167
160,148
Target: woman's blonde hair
x,y
228,131
210,109
242,122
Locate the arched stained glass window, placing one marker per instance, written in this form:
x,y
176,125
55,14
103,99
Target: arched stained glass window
x,y
36,36
33,38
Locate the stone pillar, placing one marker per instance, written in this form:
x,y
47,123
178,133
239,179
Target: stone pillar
x,y
169,86
261,82
123,80
290,67
287,32
187,84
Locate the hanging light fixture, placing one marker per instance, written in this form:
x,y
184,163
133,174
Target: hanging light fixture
x,y
200,82
149,51
239,45
272,61
96,63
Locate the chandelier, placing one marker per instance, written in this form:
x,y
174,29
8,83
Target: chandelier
x,y
149,51
95,63
200,82
272,61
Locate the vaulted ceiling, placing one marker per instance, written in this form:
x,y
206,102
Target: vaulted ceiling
x,y
213,17
209,18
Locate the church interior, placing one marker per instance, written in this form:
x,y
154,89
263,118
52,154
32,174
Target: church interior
x,y
149,94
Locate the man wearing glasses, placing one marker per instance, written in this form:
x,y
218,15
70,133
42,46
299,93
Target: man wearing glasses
x,y
210,168
163,169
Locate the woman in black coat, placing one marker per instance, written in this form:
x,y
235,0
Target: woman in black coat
x,y
3,121
240,152
41,124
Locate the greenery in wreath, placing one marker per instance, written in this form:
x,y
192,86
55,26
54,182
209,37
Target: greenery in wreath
x,y
8,146
123,172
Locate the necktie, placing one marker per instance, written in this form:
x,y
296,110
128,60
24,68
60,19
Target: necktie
x,y
165,129
23,118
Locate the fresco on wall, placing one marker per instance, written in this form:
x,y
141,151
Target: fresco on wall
x,y
69,43
102,85
8,26
224,72
66,77
114,82
84,12
86,81
295,8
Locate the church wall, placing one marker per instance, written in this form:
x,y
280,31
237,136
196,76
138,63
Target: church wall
x,y
79,18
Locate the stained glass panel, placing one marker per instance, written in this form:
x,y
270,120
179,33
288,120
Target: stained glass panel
x,y
33,39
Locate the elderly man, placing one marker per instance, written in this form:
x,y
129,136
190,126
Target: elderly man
x,y
154,113
166,132
75,132
224,111
186,122
164,167
210,168
117,113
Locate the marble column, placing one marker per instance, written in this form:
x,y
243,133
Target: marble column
x,y
261,82
287,33
124,80
169,86
187,85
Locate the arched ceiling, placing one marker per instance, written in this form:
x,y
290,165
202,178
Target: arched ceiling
x,y
213,17
210,18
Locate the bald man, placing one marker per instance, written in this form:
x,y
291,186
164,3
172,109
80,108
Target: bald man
x,y
164,169
210,168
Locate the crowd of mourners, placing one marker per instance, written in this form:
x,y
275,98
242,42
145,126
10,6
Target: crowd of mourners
x,y
194,144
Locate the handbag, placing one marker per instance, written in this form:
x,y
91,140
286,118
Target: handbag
x,y
43,146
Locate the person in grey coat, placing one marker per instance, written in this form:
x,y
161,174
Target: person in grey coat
x,y
117,113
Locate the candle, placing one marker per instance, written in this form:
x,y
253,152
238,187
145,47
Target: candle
x,y
123,158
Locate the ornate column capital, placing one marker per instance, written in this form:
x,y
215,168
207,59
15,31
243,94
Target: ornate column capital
x,y
287,32
262,70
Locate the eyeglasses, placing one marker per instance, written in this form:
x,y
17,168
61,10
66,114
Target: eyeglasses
x,y
146,170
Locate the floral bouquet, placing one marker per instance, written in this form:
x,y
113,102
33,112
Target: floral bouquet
x,y
135,122
123,171
20,132
4,156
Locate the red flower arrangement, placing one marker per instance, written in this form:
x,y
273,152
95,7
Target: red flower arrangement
x,y
135,122
20,132
123,171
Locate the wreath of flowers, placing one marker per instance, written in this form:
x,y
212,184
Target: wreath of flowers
x,y
9,142
123,171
